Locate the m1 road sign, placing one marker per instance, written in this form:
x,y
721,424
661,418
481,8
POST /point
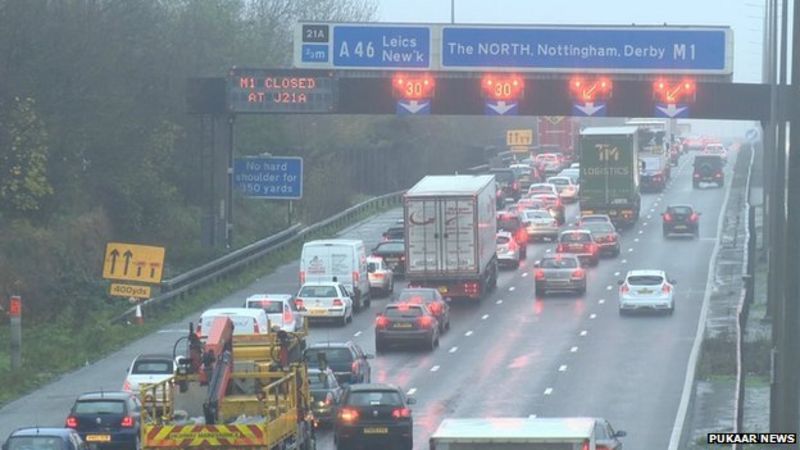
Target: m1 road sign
x,y
132,262
617,49
517,138
275,177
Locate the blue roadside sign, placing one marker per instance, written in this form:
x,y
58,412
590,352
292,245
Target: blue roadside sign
x,y
279,178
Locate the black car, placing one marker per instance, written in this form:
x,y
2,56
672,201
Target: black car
x,y
326,393
605,235
708,169
36,438
374,416
507,183
432,299
347,360
393,254
397,233
107,419
406,323
680,219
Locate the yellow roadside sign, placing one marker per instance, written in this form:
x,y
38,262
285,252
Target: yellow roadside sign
x,y
515,138
555,120
129,290
132,262
520,149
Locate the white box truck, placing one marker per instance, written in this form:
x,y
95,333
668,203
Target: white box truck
x,y
344,260
451,235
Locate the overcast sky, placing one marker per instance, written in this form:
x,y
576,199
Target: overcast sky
x,y
745,17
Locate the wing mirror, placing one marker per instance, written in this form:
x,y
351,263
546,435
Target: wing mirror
x,y
369,356
378,314
620,434
620,282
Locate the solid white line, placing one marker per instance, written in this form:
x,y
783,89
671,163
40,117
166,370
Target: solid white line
x,y
453,349
468,333
691,367
592,316
499,302
484,317
573,349
548,391
562,368
532,416
601,301
434,368
171,331
609,287
584,333
411,391
511,288
357,334
524,274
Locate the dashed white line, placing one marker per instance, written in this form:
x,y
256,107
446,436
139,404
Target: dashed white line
x,y
524,274
468,333
616,274
635,239
630,249
357,334
499,302
532,416
573,349
453,349
562,368
584,333
593,316
609,287
649,216
484,317
171,331
644,224
411,391
641,231
601,301
624,261
548,391
435,368
652,210
511,288
548,250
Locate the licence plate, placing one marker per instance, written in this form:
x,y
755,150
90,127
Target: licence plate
x,y
402,325
376,430
680,227
443,289
98,438
576,248
317,312
646,291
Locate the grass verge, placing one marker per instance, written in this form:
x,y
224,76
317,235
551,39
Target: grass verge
x,y
62,346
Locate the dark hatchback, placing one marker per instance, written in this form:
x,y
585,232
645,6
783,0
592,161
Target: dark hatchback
x,y
326,394
437,305
394,234
512,222
374,416
708,169
347,360
393,254
44,439
507,183
680,219
107,419
406,323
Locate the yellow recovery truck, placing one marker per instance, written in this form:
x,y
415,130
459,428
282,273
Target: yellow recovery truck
x,y
232,392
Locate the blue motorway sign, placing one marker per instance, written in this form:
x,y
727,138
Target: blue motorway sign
x,y
597,109
413,107
634,49
500,108
278,177
671,110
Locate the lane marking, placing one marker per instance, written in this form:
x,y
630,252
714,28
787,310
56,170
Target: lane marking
x,y
357,334
453,349
484,317
584,333
548,391
411,391
548,250
601,301
511,288
435,368
652,210
635,239
468,333
630,249
524,274
616,274
649,216
499,302
573,349
171,331
641,231
624,261
562,368
532,416
609,287
644,224
592,316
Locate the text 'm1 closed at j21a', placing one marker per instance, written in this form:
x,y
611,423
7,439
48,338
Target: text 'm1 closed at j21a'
x,y
281,91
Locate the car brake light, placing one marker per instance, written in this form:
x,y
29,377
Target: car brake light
x,y
718,175
577,273
348,415
425,322
697,175
624,288
435,308
591,248
126,386
667,217
127,422
694,217
354,367
585,445
560,248
401,413
378,275
337,302
666,289
522,235
298,302
540,274
72,422
328,399
302,277
356,277
381,322
287,315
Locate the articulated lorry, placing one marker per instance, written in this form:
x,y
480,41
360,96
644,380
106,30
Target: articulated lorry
x,y
609,173
451,235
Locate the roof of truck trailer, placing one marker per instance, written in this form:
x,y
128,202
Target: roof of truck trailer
x,y
608,130
516,428
450,184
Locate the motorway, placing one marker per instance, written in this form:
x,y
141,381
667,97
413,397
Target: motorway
x,y
512,354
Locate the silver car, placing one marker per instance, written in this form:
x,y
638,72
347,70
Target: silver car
x,y
559,273
507,250
381,277
541,224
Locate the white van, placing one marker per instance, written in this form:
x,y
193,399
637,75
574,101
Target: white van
x,y
342,260
245,320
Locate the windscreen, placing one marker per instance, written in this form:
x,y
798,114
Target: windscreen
x,y
152,367
372,267
269,306
503,177
680,210
411,295
559,263
100,407
395,233
318,291
645,280
575,237
374,398
318,381
530,215
390,247
508,223
559,181
334,356
35,443
599,227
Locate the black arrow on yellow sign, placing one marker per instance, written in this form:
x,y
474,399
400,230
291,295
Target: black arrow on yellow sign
x,y
114,255
127,255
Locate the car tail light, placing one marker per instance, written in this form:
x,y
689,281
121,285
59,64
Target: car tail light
x,y
348,415
578,274
126,386
338,302
72,422
471,287
401,413
697,175
558,203
435,308
378,275
624,288
402,257
694,217
666,288
591,248
540,274
667,217
329,399
356,277
381,322
718,175
522,235
561,248
302,277
354,367
585,445
299,304
287,315
602,447
127,422
515,186
657,178
425,322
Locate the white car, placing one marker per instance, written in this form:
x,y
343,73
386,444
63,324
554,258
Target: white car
x,y
280,308
541,224
646,290
245,321
507,250
149,369
325,300
574,174
716,149
567,190
575,166
381,277
542,188
549,162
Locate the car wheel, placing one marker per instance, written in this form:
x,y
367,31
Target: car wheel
x,y
447,324
343,321
539,292
695,185
622,312
391,286
524,253
665,233
582,290
515,264
380,347
431,346
671,309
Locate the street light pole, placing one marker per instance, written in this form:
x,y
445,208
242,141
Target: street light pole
x,y
452,11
